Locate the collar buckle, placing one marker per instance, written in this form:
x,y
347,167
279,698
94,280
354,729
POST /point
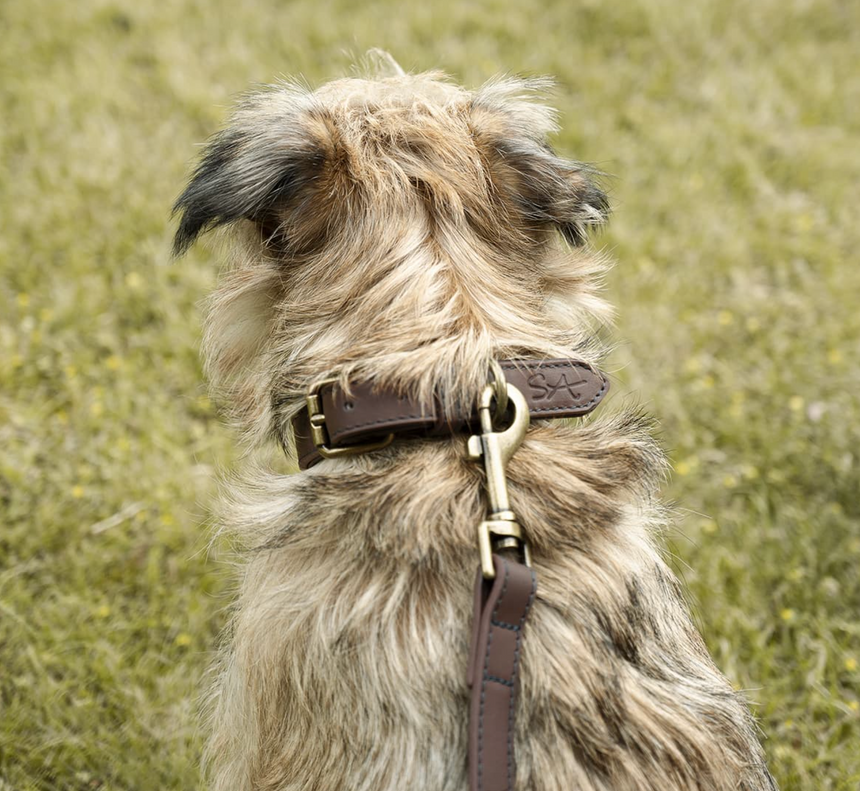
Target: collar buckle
x,y
319,434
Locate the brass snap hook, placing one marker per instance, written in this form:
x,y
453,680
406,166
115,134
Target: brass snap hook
x,y
500,530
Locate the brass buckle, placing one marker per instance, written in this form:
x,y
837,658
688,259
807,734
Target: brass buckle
x,y
319,435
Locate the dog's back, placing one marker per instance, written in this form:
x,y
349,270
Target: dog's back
x,y
405,231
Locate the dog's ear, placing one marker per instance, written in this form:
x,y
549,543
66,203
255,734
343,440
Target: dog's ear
x,y
510,129
550,190
272,155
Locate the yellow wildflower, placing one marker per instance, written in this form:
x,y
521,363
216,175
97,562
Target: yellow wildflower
x,y
804,222
133,280
693,365
750,472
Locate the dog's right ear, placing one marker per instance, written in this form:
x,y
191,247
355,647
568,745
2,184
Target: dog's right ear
x,y
510,126
272,155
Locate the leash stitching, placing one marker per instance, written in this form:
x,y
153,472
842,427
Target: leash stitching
x,y
485,678
514,676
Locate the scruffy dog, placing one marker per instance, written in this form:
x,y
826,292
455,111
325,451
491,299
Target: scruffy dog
x,y
405,231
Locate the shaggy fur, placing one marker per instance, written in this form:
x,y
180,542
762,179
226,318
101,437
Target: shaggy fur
x,y
406,230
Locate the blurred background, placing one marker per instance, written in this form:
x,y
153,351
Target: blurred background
x,y
729,131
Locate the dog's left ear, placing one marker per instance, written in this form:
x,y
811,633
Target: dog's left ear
x,y
272,154
510,128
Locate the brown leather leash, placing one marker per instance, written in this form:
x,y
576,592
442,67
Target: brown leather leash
x,y
501,608
337,422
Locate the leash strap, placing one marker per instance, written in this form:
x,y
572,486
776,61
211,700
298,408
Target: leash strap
x,y
502,606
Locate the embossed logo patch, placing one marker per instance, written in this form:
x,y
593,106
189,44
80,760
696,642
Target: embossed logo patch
x,y
544,389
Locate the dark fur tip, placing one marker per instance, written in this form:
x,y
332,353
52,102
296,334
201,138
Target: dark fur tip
x,y
592,211
245,175
209,198
195,217
595,197
187,232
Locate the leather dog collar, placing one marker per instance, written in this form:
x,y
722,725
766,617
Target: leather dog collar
x,y
334,423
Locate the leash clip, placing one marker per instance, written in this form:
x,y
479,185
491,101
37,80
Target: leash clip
x,y
500,530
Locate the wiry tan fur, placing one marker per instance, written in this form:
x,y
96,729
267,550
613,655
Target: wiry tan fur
x,y
406,230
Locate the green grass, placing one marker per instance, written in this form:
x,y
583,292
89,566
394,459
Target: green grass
x,y
731,130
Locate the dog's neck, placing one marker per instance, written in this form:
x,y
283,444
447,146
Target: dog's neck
x,y
417,306
414,301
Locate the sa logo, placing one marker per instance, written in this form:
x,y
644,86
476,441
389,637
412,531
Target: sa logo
x,y
544,390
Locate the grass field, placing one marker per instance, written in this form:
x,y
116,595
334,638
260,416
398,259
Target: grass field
x,y
731,131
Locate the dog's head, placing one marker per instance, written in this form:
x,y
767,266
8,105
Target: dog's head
x,y
382,220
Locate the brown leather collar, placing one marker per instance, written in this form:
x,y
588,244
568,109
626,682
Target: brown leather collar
x,y
553,389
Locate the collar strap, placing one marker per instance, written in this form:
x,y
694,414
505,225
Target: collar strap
x,y
334,423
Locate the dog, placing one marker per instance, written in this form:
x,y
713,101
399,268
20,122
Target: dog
x,y
401,230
